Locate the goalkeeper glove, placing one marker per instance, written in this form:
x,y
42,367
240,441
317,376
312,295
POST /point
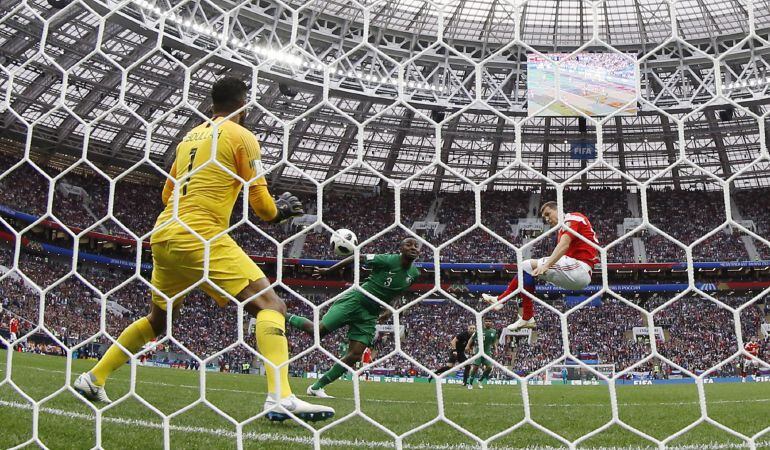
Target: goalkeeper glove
x,y
288,206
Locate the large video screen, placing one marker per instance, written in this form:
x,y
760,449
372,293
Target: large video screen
x,y
597,84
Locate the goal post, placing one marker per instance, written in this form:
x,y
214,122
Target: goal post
x,y
578,374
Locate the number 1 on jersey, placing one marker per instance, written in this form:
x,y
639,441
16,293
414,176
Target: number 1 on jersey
x,y
189,169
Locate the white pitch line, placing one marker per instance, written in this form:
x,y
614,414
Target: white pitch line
x,y
423,402
274,437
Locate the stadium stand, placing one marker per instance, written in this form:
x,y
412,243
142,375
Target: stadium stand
x,y
72,311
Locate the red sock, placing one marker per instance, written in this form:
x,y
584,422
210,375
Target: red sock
x,y
527,305
511,287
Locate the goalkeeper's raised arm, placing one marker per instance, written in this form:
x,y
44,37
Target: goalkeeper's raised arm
x,y
249,165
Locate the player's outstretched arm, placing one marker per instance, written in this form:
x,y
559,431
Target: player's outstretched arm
x,y
279,210
319,272
249,166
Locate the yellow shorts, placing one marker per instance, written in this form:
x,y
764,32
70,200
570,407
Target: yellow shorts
x,y
178,264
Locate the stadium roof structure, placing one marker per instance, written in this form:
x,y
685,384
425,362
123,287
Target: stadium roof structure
x,y
125,80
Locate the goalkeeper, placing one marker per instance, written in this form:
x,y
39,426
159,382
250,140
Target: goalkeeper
x,y
204,202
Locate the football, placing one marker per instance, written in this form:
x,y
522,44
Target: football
x,y
343,242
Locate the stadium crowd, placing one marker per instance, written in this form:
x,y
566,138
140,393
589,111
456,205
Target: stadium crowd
x,y
755,206
136,206
709,215
699,333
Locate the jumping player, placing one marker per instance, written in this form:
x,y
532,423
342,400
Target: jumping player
x,y
490,337
752,348
569,266
392,274
205,203
459,344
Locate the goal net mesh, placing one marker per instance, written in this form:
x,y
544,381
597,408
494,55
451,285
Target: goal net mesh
x,y
128,46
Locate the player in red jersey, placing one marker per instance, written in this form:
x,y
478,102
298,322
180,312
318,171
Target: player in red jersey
x,y
366,358
569,266
752,348
13,327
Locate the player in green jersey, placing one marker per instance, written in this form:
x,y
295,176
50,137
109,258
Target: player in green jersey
x,y
392,274
490,338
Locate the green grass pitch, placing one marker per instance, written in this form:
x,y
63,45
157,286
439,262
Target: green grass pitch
x,y
65,422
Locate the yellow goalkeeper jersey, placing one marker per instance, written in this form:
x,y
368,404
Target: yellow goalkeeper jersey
x,y
207,197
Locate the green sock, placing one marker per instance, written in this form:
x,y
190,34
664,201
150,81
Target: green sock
x,y
332,374
484,376
299,322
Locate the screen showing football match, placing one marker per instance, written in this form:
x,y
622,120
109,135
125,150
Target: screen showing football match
x,y
597,84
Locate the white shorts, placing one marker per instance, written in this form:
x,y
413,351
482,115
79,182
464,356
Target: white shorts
x,y
13,337
568,273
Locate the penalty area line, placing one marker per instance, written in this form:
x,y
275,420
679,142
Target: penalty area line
x,y
275,437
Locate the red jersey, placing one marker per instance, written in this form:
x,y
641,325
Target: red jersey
x,y
367,356
13,325
752,348
577,248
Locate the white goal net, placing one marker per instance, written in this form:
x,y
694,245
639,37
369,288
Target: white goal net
x,y
422,107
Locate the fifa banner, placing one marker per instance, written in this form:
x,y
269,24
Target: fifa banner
x,y
670,287
645,332
592,289
710,380
512,267
582,150
540,382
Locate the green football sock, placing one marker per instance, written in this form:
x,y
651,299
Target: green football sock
x,y
301,323
332,374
